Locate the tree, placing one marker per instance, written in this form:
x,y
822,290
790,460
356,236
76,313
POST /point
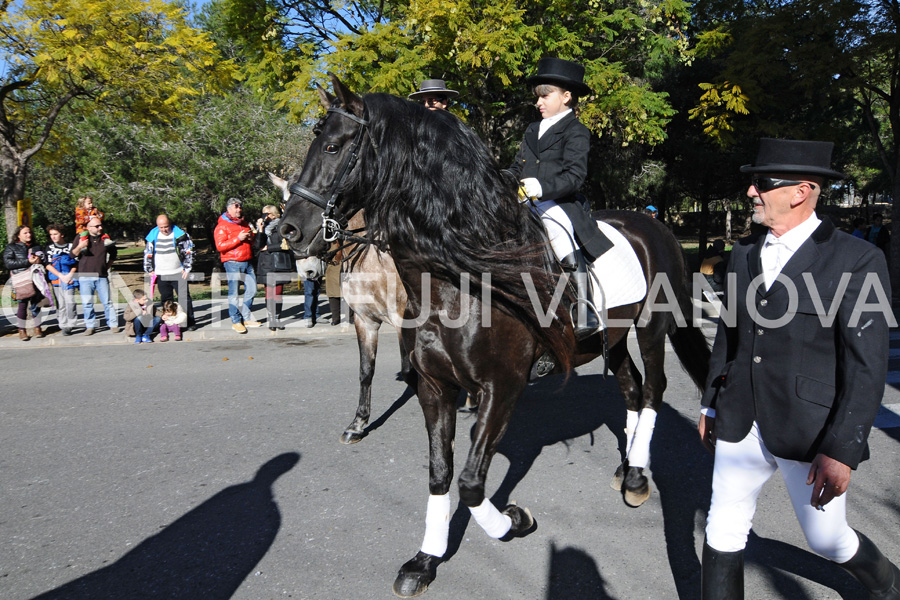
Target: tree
x,y
483,48
186,169
812,69
132,58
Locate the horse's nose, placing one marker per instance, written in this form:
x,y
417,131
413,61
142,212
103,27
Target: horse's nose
x,y
289,231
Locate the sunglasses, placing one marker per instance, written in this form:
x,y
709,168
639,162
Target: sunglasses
x,y
767,184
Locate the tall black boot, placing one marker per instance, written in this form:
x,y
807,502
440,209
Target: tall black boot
x,y
589,325
879,575
722,575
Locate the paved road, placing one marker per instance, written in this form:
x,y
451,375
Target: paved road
x,y
211,469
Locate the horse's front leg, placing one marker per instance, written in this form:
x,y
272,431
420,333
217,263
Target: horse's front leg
x,y
438,402
496,407
367,339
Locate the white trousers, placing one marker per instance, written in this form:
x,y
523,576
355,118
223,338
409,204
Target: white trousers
x,y
559,227
739,473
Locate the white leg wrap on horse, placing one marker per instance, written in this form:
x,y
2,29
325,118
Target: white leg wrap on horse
x,y
631,421
437,525
639,453
494,523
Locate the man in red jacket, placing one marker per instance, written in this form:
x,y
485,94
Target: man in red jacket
x,y
234,241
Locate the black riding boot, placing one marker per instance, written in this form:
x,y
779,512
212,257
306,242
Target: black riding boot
x,y
273,309
722,575
591,323
879,575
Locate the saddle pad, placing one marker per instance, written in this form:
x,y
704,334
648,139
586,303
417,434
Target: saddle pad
x,y
618,272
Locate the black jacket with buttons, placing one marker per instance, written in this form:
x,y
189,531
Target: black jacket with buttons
x,y
813,381
559,161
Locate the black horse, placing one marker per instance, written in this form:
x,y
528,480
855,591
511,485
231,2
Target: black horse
x,y
483,304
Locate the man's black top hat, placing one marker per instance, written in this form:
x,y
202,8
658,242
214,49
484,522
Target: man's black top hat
x,y
562,73
793,156
433,87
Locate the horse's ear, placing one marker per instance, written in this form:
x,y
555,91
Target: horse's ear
x,y
324,97
280,183
349,100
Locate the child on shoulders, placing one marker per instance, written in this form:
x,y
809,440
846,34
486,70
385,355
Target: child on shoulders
x,y
84,212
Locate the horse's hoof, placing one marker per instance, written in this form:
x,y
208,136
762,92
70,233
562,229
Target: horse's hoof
x,y
415,576
616,482
351,437
637,487
522,522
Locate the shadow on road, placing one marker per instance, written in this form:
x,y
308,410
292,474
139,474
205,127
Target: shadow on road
x,y
574,574
207,553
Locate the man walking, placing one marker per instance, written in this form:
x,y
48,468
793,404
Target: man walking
x,y
95,259
168,257
234,241
797,375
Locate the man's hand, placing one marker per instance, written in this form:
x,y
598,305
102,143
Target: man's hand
x,y
706,426
244,235
82,243
185,274
829,477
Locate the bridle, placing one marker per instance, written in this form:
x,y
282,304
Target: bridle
x,y
333,221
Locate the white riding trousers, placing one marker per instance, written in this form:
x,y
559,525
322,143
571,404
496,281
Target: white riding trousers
x,y
739,473
559,227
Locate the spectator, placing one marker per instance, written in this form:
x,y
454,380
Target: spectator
x,y
858,228
878,234
311,288
433,93
173,319
140,318
234,241
95,260
275,260
61,269
651,211
168,258
20,256
713,266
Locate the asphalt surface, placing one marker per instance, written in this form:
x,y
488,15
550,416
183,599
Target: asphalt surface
x,y
211,468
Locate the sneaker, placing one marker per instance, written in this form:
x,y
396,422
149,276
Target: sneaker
x,y
192,328
177,338
252,324
164,338
67,331
146,339
89,331
114,329
239,327
137,339
310,323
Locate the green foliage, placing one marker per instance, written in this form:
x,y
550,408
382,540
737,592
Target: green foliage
x,y
187,169
482,48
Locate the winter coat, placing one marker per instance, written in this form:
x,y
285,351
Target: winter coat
x,y
227,242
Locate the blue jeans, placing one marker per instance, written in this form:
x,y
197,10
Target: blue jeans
x,y
238,271
311,289
140,330
89,285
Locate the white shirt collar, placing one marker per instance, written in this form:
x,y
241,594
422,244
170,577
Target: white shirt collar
x,y
795,238
551,121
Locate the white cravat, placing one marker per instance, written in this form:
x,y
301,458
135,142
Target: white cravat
x,y
550,122
772,260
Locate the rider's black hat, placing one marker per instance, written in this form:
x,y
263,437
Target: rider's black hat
x,y
562,73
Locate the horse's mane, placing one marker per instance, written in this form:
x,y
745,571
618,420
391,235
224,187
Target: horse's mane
x,y
436,195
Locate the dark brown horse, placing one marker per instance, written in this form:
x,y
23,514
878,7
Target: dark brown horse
x,y
483,302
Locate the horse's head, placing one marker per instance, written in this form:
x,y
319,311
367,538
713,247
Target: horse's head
x,y
314,205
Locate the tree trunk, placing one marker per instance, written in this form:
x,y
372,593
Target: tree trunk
x,y
894,254
13,190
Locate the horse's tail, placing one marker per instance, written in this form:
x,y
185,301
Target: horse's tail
x,y
690,344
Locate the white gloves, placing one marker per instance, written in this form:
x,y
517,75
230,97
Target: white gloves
x,y
532,187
